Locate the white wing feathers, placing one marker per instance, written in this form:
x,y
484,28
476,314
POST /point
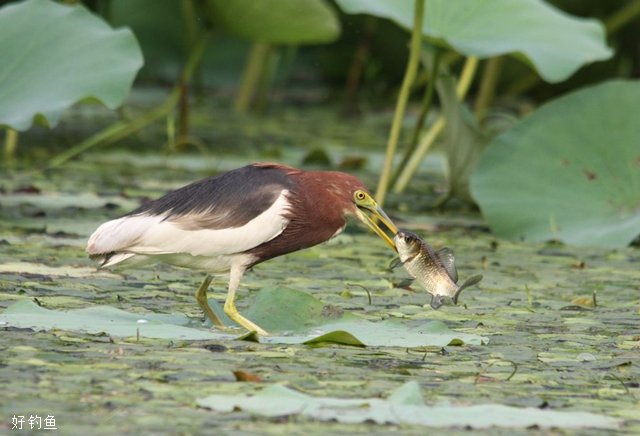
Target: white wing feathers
x,y
150,235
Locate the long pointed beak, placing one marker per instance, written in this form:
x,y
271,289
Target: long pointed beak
x,y
370,213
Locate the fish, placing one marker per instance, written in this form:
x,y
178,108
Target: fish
x,y
435,270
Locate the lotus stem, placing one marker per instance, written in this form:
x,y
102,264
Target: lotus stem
x,y
10,143
622,16
466,77
253,71
190,20
422,117
488,84
403,97
265,85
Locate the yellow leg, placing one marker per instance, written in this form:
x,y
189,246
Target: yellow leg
x,y
230,305
201,298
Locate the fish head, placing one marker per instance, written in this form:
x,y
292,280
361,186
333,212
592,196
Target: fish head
x,y
408,245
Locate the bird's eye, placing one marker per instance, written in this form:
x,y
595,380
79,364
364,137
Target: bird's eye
x,y
360,195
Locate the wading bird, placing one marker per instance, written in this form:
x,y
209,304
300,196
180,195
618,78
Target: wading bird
x,y
233,221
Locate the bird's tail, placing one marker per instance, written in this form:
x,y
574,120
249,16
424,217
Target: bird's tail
x,y
110,259
112,242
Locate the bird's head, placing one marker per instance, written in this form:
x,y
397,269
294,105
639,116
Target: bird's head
x,y
370,213
349,194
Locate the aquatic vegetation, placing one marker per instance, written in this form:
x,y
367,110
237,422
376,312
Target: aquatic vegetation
x,y
548,340
550,344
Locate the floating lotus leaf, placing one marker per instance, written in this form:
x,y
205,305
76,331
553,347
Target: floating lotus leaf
x,y
349,330
404,406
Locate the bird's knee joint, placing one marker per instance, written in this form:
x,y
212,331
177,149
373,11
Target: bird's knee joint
x,y
202,298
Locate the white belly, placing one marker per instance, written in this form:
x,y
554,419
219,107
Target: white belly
x,y
209,264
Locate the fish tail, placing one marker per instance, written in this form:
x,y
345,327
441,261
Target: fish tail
x,y
469,282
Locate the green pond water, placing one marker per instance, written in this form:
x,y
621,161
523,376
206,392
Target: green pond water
x,y
552,345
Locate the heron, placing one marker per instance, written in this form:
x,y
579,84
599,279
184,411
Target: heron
x,y
228,223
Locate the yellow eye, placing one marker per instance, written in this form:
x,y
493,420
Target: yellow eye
x,y
360,195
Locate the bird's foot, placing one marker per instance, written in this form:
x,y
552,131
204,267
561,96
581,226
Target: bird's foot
x,y
233,313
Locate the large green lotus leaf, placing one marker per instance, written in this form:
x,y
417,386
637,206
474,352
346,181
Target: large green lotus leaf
x,y
285,309
556,43
54,56
278,21
404,406
311,324
570,171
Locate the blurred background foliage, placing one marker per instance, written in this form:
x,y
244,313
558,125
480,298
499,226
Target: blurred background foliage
x,y
461,74
160,26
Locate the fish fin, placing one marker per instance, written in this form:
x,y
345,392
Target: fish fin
x,y
436,302
469,282
449,262
395,263
405,283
